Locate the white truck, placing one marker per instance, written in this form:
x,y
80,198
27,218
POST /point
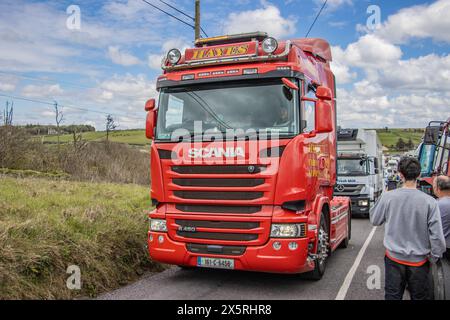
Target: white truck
x,y
359,168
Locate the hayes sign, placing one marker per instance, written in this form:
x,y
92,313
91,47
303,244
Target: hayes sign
x,y
223,51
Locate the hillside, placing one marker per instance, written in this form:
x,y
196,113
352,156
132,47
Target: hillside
x,y
388,138
48,225
132,137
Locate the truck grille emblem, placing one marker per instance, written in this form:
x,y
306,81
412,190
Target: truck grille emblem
x,y
251,169
340,188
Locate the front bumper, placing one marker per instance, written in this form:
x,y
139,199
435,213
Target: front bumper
x,y
255,258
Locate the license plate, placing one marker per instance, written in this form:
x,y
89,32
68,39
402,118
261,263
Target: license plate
x,y
215,263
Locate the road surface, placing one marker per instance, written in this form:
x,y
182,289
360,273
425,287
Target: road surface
x,y
346,278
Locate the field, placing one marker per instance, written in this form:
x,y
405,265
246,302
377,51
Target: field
x,y
47,225
137,137
390,137
132,137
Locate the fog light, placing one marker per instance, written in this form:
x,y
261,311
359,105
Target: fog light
x,y
277,245
161,239
174,56
269,45
293,246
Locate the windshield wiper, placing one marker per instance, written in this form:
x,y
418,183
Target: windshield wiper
x,y
208,109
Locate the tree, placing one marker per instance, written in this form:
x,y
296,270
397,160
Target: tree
x,y
401,144
8,113
410,144
110,125
59,117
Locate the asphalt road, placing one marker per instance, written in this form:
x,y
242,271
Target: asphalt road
x,y
340,280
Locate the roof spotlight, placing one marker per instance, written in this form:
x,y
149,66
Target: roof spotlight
x,y
270,45
174,56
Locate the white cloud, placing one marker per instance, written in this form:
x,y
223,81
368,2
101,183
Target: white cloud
x,y
332,5
121,57
42,91
369,52
418,22
154,60
8,83
268,19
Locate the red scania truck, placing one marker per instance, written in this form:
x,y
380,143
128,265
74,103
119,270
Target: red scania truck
x,y
243,160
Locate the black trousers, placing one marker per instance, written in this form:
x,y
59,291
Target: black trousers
x,y
399,276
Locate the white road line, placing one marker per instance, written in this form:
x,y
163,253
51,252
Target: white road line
x,y
351,273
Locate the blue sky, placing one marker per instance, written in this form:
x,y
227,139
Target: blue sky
x,y
397,75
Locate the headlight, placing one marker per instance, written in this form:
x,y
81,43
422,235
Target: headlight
x,y
174,56
269,45
158,225
363,203
288,230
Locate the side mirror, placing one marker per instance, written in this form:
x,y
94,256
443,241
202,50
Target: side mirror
x,y
324,93
151,118
150,105
324,117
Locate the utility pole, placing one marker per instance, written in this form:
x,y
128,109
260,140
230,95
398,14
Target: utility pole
x,y
197,19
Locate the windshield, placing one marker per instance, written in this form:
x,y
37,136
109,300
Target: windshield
x,y
251,106
352,167
427,159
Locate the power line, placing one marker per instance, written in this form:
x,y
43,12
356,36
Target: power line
x,y
317,17
183,13
177,10
66,106
169,14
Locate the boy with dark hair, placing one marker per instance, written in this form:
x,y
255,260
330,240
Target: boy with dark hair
x,y
413,234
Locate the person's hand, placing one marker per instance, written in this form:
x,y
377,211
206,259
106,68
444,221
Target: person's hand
x,y
434,259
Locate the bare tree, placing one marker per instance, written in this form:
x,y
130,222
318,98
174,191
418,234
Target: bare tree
x,y
110,125
8,113
59,118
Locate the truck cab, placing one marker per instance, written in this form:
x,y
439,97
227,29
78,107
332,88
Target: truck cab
x,y
243,157
359,168
434,154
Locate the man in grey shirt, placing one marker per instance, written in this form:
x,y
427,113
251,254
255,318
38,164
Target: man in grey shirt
x,y
442,191
413,234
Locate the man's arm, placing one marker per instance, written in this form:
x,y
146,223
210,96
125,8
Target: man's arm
x,y
378,212
436,232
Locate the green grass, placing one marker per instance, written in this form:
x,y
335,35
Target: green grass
x,y
390,138
48,225
137,137
134,137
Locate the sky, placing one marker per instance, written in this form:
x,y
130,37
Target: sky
x,y
391,58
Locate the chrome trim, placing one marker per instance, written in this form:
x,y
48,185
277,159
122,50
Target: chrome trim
x,y
198,64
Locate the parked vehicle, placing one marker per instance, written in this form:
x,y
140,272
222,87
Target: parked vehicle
x,y
252,189
434,154
360,168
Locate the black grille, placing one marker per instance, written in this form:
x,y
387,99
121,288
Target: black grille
x,y
242,169
217,224
218,209
218,195
218,236
218,182
224,250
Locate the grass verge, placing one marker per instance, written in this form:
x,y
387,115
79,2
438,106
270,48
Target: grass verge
x,y
48,225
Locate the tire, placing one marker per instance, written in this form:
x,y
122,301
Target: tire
x,y
323,249
344,244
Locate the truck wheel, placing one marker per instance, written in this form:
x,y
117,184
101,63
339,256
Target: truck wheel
x,y
323,251
344,244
